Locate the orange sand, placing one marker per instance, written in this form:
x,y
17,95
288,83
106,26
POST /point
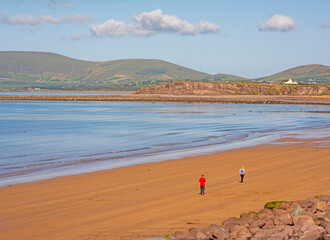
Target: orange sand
x,y
153,199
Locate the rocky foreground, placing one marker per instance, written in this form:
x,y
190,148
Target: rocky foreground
x,y
308,219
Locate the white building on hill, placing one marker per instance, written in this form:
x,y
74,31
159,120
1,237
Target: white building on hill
x,y
290,82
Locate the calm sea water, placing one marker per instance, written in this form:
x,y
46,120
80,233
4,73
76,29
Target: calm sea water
x,y
41,140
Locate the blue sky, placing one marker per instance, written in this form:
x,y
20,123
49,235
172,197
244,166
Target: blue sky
x,y
248,38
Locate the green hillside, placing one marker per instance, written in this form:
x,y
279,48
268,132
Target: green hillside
x,y
21,70
228,78
304,74
24,70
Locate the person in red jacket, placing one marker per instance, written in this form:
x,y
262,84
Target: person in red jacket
x,y
202,184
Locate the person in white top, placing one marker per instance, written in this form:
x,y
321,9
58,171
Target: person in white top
x,y
242,172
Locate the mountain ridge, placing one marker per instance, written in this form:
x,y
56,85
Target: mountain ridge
x,y
25,70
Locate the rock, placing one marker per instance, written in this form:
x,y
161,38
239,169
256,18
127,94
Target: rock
x,y
258,224
327,213
318,217
214,230
230,223
192,232
230,226
179,235
303,221
309,202
285,234
168,236
265,234
325,198
285,206
239,231
232,219
326,225
321,206
297,211
165,237
313,231
283,219
269,223
201,235
254,230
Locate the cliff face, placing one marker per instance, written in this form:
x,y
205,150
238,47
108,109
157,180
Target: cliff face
x,y
202,88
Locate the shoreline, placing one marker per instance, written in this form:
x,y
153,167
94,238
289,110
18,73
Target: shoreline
x,y
230,99
153,199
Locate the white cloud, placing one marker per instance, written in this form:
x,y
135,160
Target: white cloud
x,y
278,22
26,19
149,23
324,25
112,28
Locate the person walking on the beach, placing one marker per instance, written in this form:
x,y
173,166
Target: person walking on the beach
x,y
242,172
202,184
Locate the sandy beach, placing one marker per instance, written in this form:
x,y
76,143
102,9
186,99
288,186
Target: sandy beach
x,y
148,200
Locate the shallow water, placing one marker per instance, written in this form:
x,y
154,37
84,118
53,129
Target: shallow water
x,y
47,139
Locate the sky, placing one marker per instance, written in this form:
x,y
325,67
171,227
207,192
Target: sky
x,y
247,38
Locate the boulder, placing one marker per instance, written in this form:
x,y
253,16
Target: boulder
x,y
258,223
214,230
309,202
265,234
201,235
319,217
254,230
321,206
230,226
297,211
230,223
269,223
283,219
165,237
313,231
285,234
325,198
327,213
179,235
326,225
192,232
285,206
239,231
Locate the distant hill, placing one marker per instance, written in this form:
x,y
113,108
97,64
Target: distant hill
x,y
228,78
48,70
24,70
304,74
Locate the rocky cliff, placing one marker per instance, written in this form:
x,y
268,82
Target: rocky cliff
x,y
204,88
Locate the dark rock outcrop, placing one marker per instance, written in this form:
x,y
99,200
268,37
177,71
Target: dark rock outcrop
x,y
205,88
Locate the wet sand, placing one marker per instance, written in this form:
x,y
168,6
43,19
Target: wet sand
x,y
147,200
249,99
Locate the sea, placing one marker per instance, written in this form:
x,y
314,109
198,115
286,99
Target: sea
x,y
47,139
